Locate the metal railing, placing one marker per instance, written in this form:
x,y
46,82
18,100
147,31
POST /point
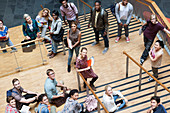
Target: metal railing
x,y
140,74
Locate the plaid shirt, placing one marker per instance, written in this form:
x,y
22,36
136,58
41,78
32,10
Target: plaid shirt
x,y
9,109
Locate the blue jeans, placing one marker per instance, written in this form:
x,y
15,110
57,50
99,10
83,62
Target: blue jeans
x,y
71,54
7,42
105,38
70,21
120,29
122,105
54,46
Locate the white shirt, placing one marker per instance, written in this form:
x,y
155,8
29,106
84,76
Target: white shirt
x,y
57,22
30,26
124,11
42,20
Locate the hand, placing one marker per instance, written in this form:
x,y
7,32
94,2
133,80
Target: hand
x,y
125,25
88,68
38,35
88,25
120,24
65,22
118,104
105,33
62,95
27,38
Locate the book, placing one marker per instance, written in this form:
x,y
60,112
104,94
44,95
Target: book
x,y
90,62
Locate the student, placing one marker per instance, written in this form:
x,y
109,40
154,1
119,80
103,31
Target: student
x,y
155,55
11,106
109,99
72,105
156,107
82,67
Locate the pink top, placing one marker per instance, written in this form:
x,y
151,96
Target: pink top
x,y
70,12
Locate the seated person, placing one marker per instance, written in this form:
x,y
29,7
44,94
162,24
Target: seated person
x,y
72,105
109,99
11,106
156,107
52,92
21,100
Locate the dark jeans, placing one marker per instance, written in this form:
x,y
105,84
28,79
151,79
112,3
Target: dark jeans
x,y
147,43
155,72
71,53
59,101
125,27
105,38
92,81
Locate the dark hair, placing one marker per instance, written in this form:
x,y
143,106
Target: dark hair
x,y
74,22
157,98
40,98
72,92
97,1
2,21
62,1
9,98
160,43
83,49
48,71
55,12
14,80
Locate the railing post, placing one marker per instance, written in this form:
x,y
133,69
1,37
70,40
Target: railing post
x,y
98,106
87,90
84,12
18,68
78,79
156,88
78,5
127,65
39,43
140,78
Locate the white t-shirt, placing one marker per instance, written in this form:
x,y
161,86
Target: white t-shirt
x,y
30,26
42,20
124,11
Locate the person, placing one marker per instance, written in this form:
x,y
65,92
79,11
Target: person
x,y
11,106
155,55
82,67
4,38
73,36
43,106
30,28
29,97
72,105
70,11
56,27
153,26
109,99
156,106
99,21
54,97
123,12
42,18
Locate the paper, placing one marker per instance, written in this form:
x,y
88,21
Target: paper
x,y
70,44
25,109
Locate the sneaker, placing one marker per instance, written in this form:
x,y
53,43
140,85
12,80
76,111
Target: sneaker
x,y
150,79
52,55
141,61
94,43
93,87
49,54
105,50
127,39
69,68
117,39
14,50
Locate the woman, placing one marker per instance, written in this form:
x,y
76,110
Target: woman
x,y
4,38
73,40
109,99
155,55
72,105
30,28
82,66
11,106
56,28
42,19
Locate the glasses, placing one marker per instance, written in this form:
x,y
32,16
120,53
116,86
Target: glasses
x,y
45,12
73,26
51,73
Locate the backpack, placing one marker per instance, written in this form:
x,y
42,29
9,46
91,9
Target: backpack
x,y
91,103
112,8
9,93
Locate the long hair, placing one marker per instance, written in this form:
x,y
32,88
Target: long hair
x,y
41,12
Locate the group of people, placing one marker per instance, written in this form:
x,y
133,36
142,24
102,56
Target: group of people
x,y
99,21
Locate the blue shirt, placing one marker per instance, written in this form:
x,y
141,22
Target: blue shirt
x,y
4,32
43,108
159,109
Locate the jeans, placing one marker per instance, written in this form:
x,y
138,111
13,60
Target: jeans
x,y
105,38
155,72
54,46
147,43
125,27
43,31
71,54
122,104
70,21
7,42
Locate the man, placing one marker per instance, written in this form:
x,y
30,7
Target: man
x,y
70,11
156,107
123,13
51,90
99,21
21,100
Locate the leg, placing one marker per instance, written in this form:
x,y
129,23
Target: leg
x,y
44,29
119,30
126,30
93,80
122,104
155,72
27,96
84,83
9,43
54,46
96,34
3,45
105,38
69,23
70,56
77,51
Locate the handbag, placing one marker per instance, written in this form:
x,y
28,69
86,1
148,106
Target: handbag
x,y
29,46
91,103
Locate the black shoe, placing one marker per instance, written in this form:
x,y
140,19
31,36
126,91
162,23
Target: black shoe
x,y
69,68
93,87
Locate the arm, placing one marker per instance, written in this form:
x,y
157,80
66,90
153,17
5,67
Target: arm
x,y
167,31
75,10
106,21
79,38
29,92
50,17
37,28
130,14
24,31
58,28
63,15
80,70
117,13
90,19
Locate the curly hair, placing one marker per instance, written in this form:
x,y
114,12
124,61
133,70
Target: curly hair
x,y
41,12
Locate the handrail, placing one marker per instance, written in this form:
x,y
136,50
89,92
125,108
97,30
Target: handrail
x,y
86,4
93,93
146,71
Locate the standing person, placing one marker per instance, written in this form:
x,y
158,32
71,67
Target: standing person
x,y
70,11
155,55
156,106
4,37
73,36
123,13
56,28
11,106
72,105
51,91
30,28
82,67
153,26
29,97
99,21
42,18
109,99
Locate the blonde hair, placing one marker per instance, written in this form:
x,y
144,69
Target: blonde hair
x,y
106,87
153,16
41,12
26,15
